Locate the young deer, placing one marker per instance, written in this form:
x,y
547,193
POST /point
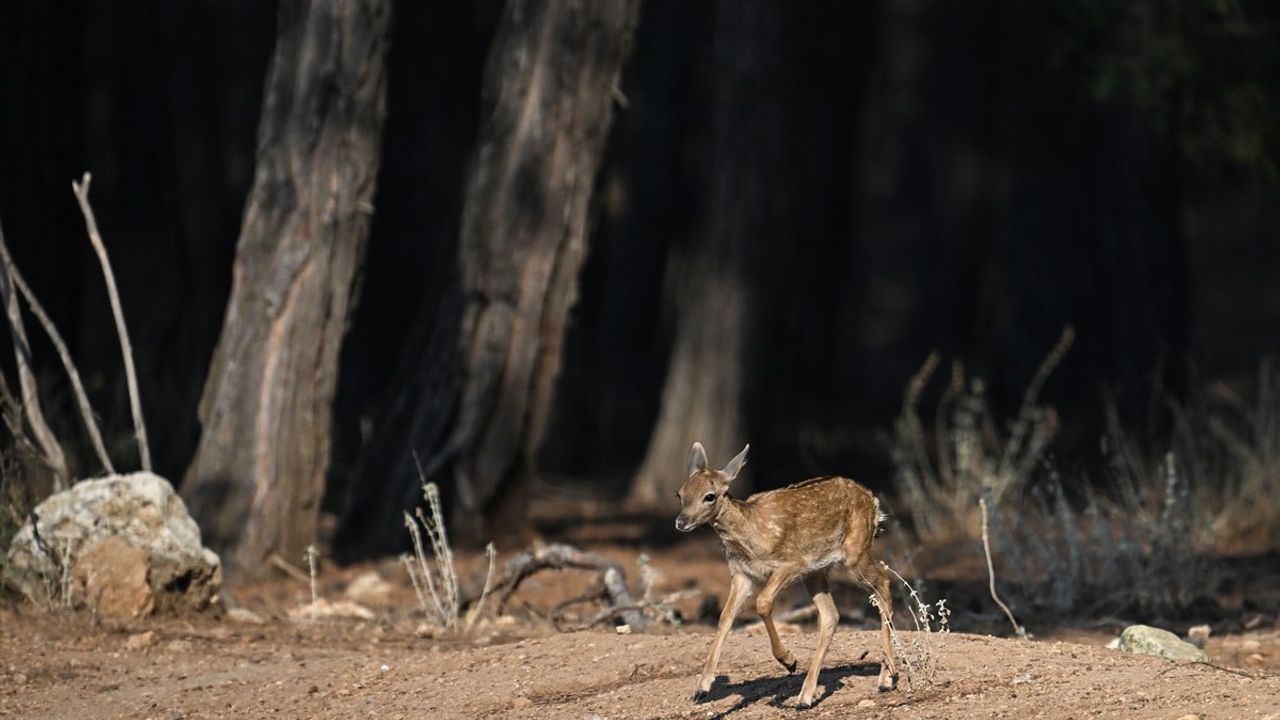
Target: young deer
x,y
774,538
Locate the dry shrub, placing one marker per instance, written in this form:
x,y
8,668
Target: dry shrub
x,y
919,653
1140,539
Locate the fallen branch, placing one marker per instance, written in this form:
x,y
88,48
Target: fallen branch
x,y
81,190
82,398
50,451
558,556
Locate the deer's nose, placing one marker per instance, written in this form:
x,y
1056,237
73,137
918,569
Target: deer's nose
x,y
680,523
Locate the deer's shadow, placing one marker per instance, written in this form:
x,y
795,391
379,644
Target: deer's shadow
x,y
781,690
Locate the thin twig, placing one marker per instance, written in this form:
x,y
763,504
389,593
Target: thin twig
x,y
288,568
991,572
82,398
50,451
81,191
492,552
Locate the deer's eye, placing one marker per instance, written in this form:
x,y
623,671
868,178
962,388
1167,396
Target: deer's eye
x,y
709,497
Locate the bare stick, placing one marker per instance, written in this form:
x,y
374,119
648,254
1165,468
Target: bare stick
x,y
81,191
82,399
50,450
991,572
525,563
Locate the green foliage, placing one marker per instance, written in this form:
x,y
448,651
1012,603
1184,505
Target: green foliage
x,y
1206,72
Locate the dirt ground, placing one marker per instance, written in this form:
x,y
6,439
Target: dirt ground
x,y
66,667
518,665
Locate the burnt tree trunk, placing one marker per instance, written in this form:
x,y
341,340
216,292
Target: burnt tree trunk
x,y
702,397
549,90
475,409
257,478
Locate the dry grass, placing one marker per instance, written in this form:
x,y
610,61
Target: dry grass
x,y
1139,538
434,578
919,652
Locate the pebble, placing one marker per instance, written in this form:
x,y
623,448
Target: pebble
x,y
867,703
140,641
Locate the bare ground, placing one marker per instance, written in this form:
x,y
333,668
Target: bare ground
x,y
57,666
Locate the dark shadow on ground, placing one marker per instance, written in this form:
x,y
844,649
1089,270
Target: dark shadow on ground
x,y
781,690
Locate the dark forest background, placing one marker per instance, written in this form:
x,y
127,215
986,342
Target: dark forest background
x,y
794,204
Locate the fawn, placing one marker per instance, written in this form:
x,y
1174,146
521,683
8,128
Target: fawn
x,y
774,538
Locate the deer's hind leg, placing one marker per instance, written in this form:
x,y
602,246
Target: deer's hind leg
x,y
828,618
869,574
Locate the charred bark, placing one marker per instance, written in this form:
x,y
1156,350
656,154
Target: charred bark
x,y
257,478
549,91
476,409
702,395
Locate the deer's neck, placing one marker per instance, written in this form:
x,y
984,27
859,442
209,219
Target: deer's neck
x,y
733,522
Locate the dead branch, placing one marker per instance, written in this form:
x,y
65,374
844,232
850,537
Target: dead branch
x,y
50,451
82,399
81,190
991,572
558,556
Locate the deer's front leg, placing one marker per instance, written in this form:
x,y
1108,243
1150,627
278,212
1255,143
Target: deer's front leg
x,y
764,606
739,590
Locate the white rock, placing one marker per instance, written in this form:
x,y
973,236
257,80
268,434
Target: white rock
x,y
142,510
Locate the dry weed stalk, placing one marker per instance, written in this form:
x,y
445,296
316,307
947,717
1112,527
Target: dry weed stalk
x,y
921,654
81,190
435,581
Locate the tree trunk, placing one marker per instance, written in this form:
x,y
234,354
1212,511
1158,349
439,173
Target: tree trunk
x,y
256,481
702,395
478,405
549,90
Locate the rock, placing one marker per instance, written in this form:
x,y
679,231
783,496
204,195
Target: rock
x,y
866,703
428,630
140,641
1189,716
623,629
323,610
142,511
1198,634
1146,640
1021,679
369,589
1114,644
244,616
112,575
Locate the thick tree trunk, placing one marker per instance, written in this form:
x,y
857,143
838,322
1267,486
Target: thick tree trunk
x,y
702,398
549,89
258,475
475,410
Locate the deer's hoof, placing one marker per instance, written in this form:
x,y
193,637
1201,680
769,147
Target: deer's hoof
x,y
889,683
701,696
788,663
804,704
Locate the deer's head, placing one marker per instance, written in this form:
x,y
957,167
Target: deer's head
x,y
700,495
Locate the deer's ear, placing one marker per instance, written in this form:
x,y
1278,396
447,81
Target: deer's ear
x,y
697,458
735,465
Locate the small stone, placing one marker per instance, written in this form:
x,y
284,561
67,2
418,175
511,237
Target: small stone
x,y
1021,679
1114,644
428,630
369,589
177,646
866,703
521,702
1147,640
140,641
1198,634
1190,716
623,629
244,616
